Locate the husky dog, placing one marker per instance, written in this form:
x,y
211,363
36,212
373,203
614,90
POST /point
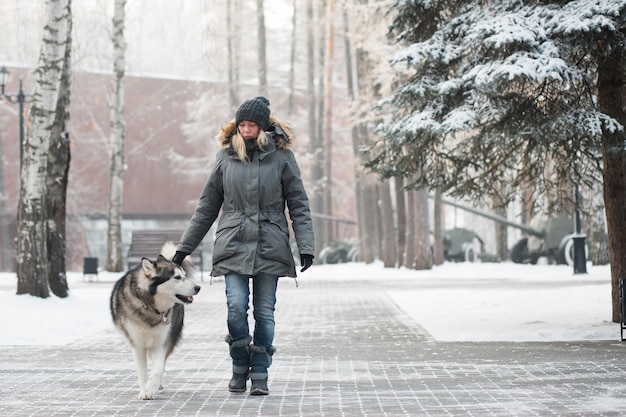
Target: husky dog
x,y
147,306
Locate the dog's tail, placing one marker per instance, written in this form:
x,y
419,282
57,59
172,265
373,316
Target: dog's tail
x,y
169,250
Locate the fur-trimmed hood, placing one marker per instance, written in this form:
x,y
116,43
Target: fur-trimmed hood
x,y
279,130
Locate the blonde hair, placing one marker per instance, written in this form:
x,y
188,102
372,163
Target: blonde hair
x,y
239,144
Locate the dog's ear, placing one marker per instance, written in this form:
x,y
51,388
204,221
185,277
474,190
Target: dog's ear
x,y
148,267
162,258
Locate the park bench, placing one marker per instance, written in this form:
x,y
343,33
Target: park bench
x,y
148,244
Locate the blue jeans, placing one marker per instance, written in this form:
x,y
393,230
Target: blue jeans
x,y
263,301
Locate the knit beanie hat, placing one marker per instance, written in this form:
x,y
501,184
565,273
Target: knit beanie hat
x,y
255,110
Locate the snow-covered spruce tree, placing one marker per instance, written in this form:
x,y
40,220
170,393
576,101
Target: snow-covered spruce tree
x,y
502,95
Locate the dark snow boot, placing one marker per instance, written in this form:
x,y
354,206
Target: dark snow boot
x,y
259,387
260,360
240,353
237,382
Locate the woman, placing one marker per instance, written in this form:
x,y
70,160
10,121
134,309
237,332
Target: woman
x,y
254,177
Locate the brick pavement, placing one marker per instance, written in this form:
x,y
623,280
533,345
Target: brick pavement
x,y
344,349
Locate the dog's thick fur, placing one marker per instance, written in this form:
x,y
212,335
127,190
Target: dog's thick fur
x,y
147,306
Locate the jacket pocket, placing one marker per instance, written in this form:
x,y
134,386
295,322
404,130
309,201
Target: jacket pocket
x,y
274,241
227,237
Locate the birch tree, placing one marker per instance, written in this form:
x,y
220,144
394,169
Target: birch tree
x,y
57,178
116,178
32,222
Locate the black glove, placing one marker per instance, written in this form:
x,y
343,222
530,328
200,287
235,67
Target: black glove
x,y
306,261
179,257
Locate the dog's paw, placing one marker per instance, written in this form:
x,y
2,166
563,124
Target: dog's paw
x,y
151,390
146,395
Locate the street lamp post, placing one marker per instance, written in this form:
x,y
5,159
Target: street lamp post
x,y
20,98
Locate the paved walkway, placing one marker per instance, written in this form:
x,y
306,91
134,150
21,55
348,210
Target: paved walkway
x,y
344,349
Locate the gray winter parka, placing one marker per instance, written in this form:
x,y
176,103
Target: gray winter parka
x,y
252,233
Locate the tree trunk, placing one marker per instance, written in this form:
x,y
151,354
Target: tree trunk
x,y
388,240
423,254
527,203
502,231
320,34
328,129
32,237
401,222
315,146
364,202
260,13
369,247
321,66
57,179
359,176
292,60
116,180
233,53
438,226
612,101
5,239
409,231
361,86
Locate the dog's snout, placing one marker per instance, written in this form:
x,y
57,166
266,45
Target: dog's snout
x,y
197,289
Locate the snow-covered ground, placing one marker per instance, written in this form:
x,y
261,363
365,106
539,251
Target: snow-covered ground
x,y
453,302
